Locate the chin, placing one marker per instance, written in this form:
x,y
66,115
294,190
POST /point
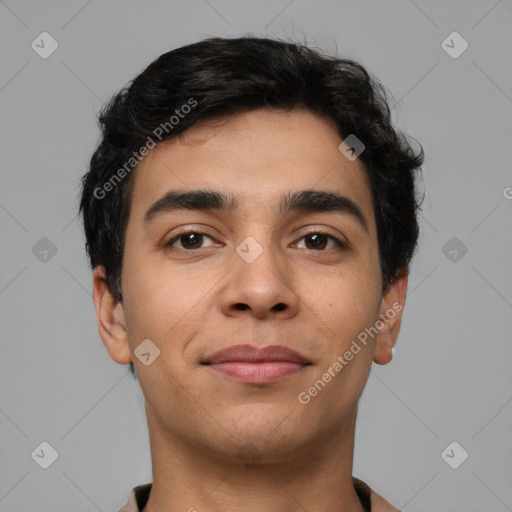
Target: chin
x,y
266,434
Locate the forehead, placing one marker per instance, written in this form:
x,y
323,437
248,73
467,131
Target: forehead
x,y
257,156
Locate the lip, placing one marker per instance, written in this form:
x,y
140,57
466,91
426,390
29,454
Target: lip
x,y
257,365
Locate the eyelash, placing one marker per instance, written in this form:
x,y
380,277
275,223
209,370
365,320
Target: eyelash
x,y
339,243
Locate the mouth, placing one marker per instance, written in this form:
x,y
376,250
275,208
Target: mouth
x,y
256,365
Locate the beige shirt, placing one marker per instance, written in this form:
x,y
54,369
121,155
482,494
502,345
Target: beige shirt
x,y
370,501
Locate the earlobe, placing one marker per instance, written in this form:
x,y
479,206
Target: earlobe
x,y
390,314
111,319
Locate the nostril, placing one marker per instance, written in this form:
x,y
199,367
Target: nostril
x,y
241,307
279,307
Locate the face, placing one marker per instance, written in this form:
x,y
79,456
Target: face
x,y
254,264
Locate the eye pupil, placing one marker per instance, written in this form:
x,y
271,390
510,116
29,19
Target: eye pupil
x,y
191,239
317,239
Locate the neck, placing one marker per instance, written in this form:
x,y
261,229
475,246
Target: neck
x,y
315,477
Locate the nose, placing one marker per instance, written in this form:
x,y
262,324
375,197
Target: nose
x,y
262,288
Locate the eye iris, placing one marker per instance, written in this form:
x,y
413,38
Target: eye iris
x,y
191,239
318,240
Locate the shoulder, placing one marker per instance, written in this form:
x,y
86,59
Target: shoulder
x,y
370,499
138,498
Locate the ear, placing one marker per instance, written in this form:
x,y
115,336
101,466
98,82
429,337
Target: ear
x,y
391,310
111,319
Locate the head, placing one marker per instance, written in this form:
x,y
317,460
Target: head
x,y
245,134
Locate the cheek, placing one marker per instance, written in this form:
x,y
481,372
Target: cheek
x,y
163,302
346,304
343,304
153,304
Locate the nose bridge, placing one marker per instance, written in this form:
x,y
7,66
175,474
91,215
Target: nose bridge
x,y
260,280
257,258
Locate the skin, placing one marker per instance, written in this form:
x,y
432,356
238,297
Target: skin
x,y
218,444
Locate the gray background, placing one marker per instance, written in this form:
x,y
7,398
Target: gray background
x,y
450,379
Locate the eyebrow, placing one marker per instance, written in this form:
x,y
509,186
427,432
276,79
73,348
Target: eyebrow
x,y
303,201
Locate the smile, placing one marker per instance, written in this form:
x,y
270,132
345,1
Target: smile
x,y
256,365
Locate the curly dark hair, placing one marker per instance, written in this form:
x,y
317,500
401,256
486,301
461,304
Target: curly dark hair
x,y
219,77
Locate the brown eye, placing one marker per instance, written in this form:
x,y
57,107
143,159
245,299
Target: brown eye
x,y
318,241
189,240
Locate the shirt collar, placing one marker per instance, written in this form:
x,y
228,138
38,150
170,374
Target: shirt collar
x,y
371,501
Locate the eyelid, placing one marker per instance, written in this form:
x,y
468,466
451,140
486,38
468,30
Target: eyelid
x,y
187,231
341,242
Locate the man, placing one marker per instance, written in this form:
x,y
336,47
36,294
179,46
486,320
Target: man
x,y
250,216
